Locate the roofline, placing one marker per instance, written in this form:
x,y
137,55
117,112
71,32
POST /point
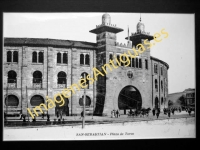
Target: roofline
x,y
26,43
154,58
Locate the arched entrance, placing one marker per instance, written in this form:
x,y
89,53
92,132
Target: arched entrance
x,y
156,103
36,100
64,108
129,98
87,101
11,100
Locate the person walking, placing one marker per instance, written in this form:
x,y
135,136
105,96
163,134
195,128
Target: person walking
x,y
61,115
157,112
173,111
117,113
114,113
81,114
189,111
169,112
57,113
153,111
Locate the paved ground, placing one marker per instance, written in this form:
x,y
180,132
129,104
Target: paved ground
x,y
76,120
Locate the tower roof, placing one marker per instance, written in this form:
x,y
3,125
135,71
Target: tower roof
x,y
106,26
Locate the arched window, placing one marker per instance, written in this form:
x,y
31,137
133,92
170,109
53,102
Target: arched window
x,y
11,100
87,59
9,56
155,68
12,77
140,63
15,56
87,101
65,58
37,77
36,100
87,81
118,58
122,57
110,56
133,62
58,57
34,57
41,57
82,59
130,62
62,77
161,100
136,62
156,85
161,85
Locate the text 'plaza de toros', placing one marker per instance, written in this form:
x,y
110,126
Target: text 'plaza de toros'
x,y
34,68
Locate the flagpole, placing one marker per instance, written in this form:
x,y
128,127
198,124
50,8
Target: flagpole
x,y
27,102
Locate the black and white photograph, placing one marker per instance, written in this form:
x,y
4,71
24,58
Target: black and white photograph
x,y
98,76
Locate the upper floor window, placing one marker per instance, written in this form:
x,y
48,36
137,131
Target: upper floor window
x,y
37,79
132,62
62,58
161,70
37,57
140,63
136,62
62,78
12,77
84,59
155,68
110,57
146,64
87,81
118,59
156,85
161,85
12,56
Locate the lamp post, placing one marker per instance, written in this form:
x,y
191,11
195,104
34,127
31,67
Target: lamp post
x,y
83,122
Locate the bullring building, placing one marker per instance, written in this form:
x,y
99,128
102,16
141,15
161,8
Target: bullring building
x,y
34,68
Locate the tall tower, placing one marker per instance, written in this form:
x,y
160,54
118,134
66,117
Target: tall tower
x,y
140,34
106,41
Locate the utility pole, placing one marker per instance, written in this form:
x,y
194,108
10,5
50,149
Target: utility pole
x,y
83,123
27,102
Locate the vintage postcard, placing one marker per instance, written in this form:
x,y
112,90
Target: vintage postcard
x,y
98,76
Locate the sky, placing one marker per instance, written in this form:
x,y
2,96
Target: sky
x,y
177,50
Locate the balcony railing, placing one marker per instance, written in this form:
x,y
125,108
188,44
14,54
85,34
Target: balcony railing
x,y
12,85
62,86
37,85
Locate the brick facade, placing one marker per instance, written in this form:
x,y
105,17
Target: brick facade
x,y
103,93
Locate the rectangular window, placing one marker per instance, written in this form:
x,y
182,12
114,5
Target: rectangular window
x,y
146,64
62,58
85,59
140,63
155,68
161,70
133,62
110,57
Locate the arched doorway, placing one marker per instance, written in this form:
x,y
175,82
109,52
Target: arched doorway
x,y
36,100
64,108
87,101
156,103
11,100
129,98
